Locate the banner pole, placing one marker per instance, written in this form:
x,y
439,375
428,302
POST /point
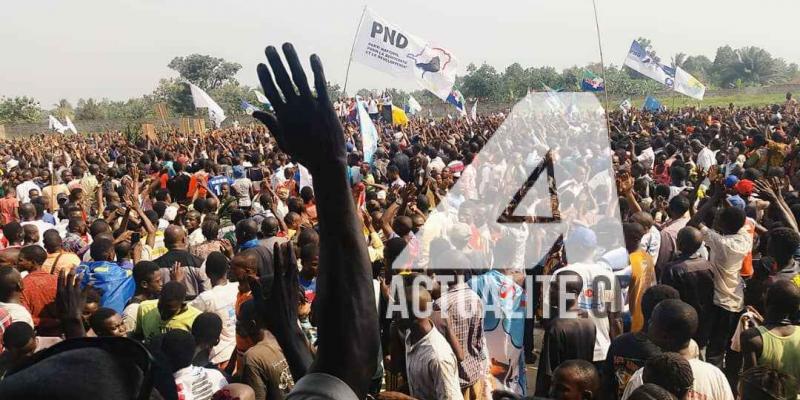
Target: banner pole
x,y
352,49
602,64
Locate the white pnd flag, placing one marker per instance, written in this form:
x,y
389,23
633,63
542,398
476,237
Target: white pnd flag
x,y
54,124
474,113
641,62
413,105
203,100
388,48
70,125
687,84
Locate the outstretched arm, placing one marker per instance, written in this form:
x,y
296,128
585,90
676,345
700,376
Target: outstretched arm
x,y
306,127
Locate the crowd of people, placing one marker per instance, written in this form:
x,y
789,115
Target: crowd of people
x,y
273,262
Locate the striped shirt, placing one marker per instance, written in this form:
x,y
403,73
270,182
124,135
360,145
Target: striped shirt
x,y
432,368
464,311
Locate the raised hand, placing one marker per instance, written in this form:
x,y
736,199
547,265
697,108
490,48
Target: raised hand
x,y
305,126
278,303
70,300
177,273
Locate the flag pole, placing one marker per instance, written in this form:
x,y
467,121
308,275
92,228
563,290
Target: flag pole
x,y
352,49
602,63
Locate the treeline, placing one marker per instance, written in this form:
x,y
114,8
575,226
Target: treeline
x,y
730,68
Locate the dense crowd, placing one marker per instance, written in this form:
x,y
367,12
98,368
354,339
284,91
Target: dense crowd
x,y
265,262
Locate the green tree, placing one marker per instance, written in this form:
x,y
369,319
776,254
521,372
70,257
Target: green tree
x,y
678,60
63,108
515,81
749,66
19,109
537,77
88,110
176,94
205,71
482,82
425,97
230,95
334,91
700,67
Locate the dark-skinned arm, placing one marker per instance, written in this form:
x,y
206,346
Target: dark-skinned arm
x,y
70,300
698,217
752,345
306,128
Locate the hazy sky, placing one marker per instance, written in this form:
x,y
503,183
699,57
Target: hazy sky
x,y
120,48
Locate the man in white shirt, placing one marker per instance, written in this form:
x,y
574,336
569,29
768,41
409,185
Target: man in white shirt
x,y
192,382
601,296
647,157
671,328
24,188
727,250
705,156
221,300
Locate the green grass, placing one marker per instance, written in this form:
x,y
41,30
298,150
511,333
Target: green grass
x,y
739,99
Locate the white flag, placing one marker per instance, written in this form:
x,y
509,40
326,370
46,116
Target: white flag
x,y
55,125
413,105
388,48
203,100
70,125
625,105
687,84
474,113
641,62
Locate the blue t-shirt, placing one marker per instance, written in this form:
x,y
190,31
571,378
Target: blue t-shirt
x,y
309,288
216,182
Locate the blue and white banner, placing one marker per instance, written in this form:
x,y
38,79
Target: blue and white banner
x,y
640,61
369,135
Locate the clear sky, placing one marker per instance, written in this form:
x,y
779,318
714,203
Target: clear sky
x,y
52,49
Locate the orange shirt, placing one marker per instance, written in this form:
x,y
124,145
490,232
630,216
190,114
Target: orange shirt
x,y
747,263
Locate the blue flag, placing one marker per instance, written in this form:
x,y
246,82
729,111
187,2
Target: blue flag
x,y
248,108
369,135
651,104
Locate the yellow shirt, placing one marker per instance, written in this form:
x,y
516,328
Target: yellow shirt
x,y
149,322
643,276
66,261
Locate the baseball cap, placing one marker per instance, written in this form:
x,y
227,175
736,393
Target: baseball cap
x,y
745,187
736,201
731,181
582,236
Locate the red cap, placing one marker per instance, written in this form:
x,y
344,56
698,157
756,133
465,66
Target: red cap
x,y
744,187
